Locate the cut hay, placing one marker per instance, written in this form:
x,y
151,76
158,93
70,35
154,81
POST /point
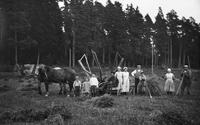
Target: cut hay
x,y
153,86
105,101
58,113
27,87
4,88
168,118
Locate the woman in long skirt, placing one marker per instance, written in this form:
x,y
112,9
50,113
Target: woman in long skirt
x,y
118,74
125,83
169,82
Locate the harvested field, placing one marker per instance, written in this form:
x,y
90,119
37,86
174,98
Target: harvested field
x,y
20,104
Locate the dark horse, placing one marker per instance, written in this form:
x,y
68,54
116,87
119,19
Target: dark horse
x,y
59,75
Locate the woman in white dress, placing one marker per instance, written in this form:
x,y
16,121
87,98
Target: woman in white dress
x,y
118,75
125,83
169,82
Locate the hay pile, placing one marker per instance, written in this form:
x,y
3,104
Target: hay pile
x,y
153,86
105,101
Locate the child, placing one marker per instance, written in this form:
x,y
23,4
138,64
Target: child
x,y
142,80
77,86
86,87
94,85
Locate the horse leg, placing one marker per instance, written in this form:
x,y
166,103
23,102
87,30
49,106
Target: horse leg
x,y
46,88
60,92
70,86
39,87
64,88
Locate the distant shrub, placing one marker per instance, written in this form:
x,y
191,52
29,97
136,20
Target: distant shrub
x,y
104,101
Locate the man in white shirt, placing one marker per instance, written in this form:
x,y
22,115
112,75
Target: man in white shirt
x,y
94,83
136,73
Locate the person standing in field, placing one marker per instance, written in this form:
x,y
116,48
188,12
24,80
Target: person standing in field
x,y
125,83
86,87
77,86
186,75
169,82
118,75
136,73
142,84
17,69
94,83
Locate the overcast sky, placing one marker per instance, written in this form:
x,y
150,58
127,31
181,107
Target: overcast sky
x,y
186,8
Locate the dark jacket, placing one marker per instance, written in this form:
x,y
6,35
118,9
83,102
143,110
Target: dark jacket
x,y
187,75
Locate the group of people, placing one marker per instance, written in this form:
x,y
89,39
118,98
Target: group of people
x,y
119,80
18,70
124,82
89,86
186,81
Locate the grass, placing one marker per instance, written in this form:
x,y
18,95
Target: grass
x,y
125,109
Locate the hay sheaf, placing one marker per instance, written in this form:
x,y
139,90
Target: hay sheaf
x,y
105,101
153,86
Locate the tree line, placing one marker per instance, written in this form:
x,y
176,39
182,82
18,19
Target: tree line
x,y
40,28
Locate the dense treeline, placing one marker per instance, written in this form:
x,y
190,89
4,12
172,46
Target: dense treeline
x,y
32,28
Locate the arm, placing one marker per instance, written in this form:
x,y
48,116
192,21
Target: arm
x,y
173,77
165,77
74,84
97,83
188,73
133,73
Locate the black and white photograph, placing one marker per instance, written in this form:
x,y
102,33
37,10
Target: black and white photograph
x,y
99,62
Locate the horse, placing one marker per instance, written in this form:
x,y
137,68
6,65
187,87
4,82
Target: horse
x,y
63,76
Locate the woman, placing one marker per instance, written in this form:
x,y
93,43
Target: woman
x,y
119,74
169,83
126,84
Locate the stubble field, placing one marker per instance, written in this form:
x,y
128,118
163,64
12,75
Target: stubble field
x,y
20,104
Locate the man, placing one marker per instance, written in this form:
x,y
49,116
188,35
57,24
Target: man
x,y
186,79
17,69
111,82
136,73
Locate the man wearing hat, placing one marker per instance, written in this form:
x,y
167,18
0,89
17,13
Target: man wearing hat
x,y
136,73
186,79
